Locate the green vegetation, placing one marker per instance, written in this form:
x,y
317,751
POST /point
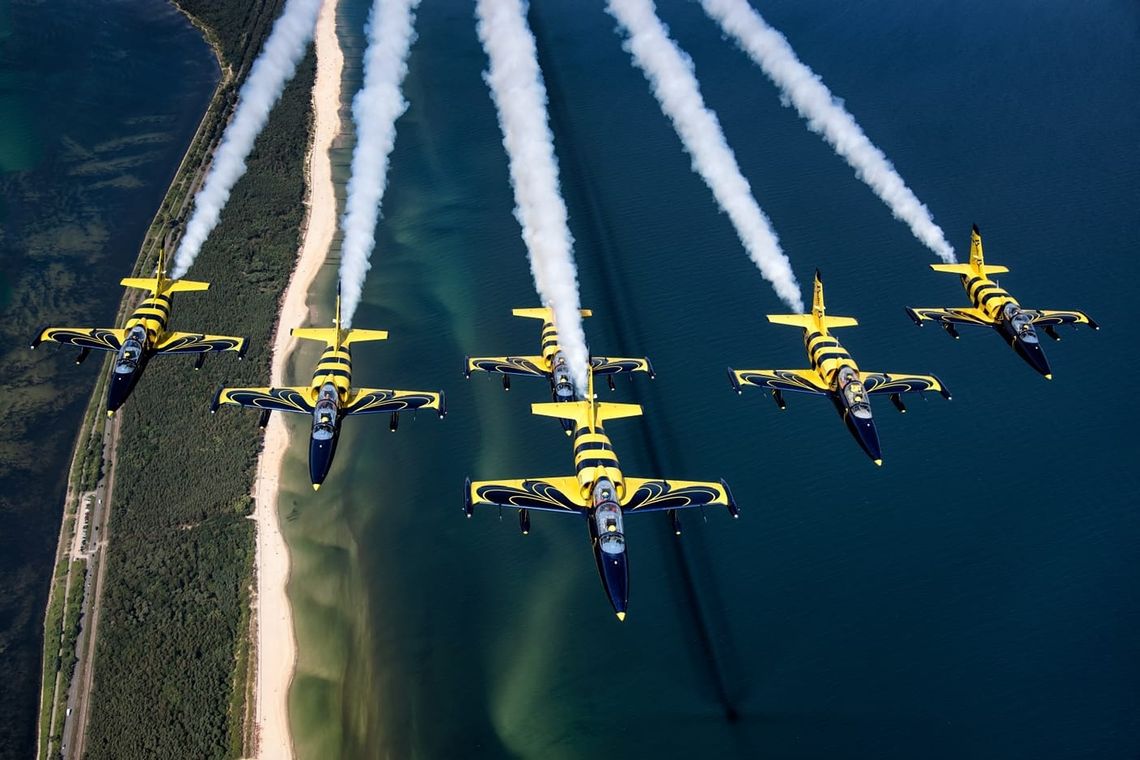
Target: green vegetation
x,y
172,655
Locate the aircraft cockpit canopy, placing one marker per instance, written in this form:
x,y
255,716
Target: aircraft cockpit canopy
x,y
325,413
854,394
131,352
1020,322
611,536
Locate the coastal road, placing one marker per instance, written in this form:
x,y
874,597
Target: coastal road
x,y
78,697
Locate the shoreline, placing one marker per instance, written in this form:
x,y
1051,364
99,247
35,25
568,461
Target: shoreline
x,y
276,642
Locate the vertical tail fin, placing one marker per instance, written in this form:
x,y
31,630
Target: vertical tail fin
x,y
977,261
336,314
817,309
159,283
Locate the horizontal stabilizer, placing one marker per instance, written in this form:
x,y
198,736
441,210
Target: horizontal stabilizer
x,y
579,411
363,336
543,313
154,285
808,321
966,269
328,335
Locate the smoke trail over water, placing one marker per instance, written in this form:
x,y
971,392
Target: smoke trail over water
x,y
520,99
273,68
826,116
670,72
375,109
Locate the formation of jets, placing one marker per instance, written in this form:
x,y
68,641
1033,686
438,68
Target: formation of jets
x,y
598,491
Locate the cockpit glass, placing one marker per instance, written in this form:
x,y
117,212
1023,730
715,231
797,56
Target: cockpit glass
x,y
129,354
610,533
612,543
854,393
1022,327
325,414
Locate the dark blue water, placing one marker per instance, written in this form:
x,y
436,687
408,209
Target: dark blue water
x,y
98,102
975,597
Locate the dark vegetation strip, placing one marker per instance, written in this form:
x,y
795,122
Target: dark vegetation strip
x,y
172,654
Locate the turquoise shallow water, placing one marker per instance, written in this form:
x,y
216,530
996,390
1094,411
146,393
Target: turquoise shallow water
x,y
975,597
98,102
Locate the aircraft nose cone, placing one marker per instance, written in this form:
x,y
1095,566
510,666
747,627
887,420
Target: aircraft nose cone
x,y
320,460
1034,356
867,436
614,570
120,388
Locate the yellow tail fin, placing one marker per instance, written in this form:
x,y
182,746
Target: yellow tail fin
x,y
977,265
818,317
159,283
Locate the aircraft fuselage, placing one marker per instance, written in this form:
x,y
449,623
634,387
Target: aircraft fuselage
x,y
847,393
331,383
147,322
1015,327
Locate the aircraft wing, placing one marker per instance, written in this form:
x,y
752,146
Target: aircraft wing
x,y
964,316
658,495
268,399
196,343
384,400
1048,318
612,365
562,495
97,338
796,380
535,366
881,382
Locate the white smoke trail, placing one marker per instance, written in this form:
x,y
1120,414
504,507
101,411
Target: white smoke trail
x,y
670,72
375,109
273,68
520,98
826,116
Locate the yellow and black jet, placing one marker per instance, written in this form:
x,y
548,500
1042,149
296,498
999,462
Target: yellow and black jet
x,y
834,374
551,364
994,307
330,396
599,492
144,335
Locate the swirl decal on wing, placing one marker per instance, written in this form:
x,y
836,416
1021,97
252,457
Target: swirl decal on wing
x,y
878,382
964,316
380,401
270,399
607,365
658,495
546,495
509,365
1053,317
97,338
196,343
796,381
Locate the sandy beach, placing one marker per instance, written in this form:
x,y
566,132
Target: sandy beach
x,y
276,644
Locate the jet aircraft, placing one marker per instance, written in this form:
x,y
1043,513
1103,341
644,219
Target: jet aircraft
x,y
835,375
994,307
143,335
330,396
552,363
599,492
